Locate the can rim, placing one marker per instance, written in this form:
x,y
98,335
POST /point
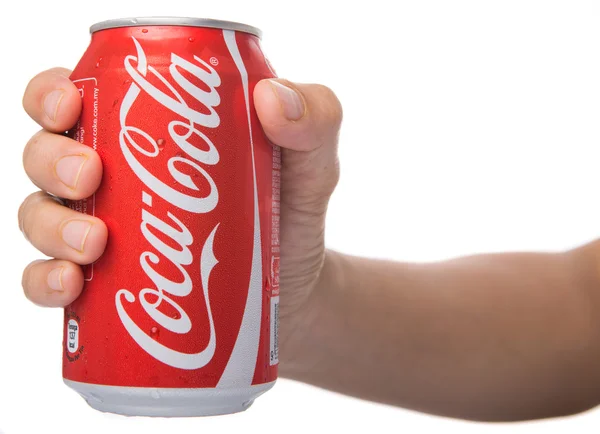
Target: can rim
x,y
175,21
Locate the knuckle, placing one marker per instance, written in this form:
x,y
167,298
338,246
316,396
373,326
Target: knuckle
x,y
22,211
27,96
59,70
328,185
20,214
31,150
334,176
25,284
27,213
34,86
26,280
331,106
31,87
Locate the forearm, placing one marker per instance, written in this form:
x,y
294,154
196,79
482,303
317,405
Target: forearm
x,y
495,337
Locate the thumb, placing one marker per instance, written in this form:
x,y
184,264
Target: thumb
x,y
304,119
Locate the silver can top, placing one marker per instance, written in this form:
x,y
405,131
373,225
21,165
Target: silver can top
x,y
175,21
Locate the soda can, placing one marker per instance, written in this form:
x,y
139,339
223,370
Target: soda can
x,y
179,315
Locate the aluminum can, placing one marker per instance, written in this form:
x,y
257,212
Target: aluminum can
x,y
179,315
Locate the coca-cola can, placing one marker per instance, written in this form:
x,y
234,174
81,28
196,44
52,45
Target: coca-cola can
x,y
179,315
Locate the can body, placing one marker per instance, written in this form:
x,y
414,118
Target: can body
x,y
179,315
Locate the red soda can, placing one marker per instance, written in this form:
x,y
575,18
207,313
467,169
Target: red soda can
x,y
179,316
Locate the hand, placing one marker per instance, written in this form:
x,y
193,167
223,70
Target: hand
x,y
304,119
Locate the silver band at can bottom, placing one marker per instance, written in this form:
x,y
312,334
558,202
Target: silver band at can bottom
x,y
149,401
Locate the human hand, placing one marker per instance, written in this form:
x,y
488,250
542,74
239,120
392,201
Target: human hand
x,y
304,119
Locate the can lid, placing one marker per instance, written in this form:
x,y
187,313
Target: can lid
x,y
175,21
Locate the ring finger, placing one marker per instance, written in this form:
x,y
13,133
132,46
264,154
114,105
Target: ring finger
x,y
60,232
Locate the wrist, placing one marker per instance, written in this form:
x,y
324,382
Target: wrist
x,y
302,331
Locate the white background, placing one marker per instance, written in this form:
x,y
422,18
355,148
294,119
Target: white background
x,y
469,126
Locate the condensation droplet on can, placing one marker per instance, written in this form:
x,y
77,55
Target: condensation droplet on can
x,y
144,30
160,143
191,39
155,394
154,332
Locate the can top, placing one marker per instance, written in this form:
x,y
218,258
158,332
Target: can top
x,y
175,21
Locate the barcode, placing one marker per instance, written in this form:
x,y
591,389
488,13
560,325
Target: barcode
x,y
274,358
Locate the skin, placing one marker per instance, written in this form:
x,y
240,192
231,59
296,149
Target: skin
x,y
492,337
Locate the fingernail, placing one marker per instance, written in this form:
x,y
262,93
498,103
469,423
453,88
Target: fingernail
x,y
291,103
75,232
51,103
55,279
69,168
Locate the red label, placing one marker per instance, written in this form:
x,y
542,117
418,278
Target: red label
x,y
186,289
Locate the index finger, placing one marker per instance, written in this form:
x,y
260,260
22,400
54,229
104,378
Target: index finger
x,y
52,100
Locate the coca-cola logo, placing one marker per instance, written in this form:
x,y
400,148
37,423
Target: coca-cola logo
x,y
183,194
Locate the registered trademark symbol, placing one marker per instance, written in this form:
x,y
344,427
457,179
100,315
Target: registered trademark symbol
x,y
214,61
